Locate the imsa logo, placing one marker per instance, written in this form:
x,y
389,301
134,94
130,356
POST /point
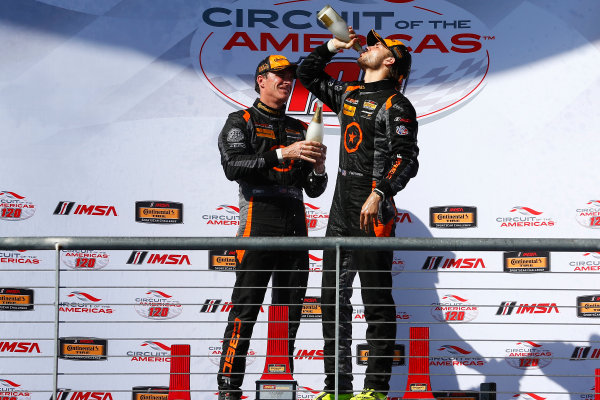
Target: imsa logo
x,y
305,354
65,208
581,353
66,394
20,347
507,308
435,262
145,257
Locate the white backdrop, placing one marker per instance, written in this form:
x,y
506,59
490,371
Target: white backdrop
x,y
105,104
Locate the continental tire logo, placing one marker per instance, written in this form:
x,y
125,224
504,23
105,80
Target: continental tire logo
x,y
311,308
82,349
526,261
588,306
16,299
362,354
452,217
150,393
222,260
158,212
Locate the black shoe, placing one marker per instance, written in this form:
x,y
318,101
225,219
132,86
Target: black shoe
x,y
237,395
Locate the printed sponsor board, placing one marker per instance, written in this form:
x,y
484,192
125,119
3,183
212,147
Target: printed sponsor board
x,y
448,40
526,261
11,390
312,308
18,257
16,299
84,302
454,309
150,351
362,354
589,215
82,349
525,217
149,393
73,208
588,306
586,262
85,259
158,305
452,217
528,355
224,214
449,355
222,260
508,307
159,212
15,207
139,257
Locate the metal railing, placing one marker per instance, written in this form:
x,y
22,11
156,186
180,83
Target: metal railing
x,y
283,243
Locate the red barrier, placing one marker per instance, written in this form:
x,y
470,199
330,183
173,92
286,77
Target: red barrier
x,y
179,378
418,385
277,381
597,386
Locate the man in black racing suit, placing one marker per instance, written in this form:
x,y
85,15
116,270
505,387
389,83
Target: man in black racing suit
x,y
378,156
266,153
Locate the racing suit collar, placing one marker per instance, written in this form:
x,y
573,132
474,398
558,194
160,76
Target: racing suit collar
x,y
265,109
378,85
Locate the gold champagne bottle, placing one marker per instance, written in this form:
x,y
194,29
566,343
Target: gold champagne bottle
x,y
315,128
336,25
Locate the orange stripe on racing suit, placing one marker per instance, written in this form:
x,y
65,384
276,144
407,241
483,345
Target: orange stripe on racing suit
x,y
351,88
240,253
380,229
388,103
232,348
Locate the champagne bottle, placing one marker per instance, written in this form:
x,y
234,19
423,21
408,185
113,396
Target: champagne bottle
x,y
336,25
315,128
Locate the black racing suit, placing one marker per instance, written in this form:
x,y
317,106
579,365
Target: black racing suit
x,y
271,204
378,151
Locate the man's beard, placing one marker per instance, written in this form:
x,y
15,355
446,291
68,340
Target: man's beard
x,y
369,61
